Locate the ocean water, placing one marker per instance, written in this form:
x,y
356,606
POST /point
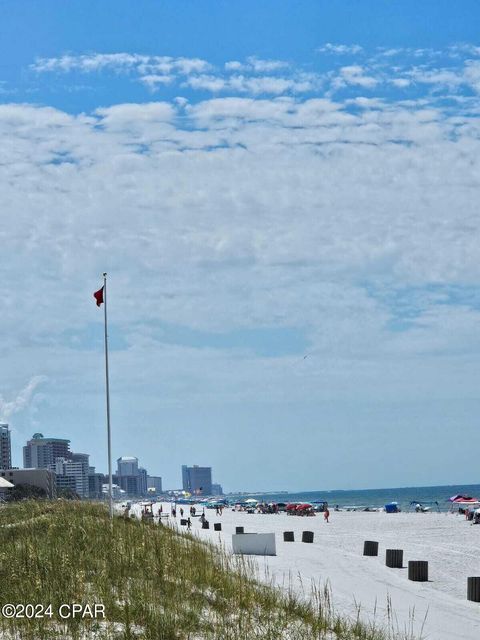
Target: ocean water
x,y
376,497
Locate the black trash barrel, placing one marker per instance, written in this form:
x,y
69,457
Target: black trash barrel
x,y
394,558
418,570
205,524
217,526
183,522
239,530
288,536
307,536
370,548
473,589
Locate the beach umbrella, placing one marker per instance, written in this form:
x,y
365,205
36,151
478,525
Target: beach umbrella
x,y
251,501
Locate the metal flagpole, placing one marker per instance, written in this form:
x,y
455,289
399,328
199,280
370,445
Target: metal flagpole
x,y
109,435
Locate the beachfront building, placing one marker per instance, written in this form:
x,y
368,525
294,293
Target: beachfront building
x,y
127,466
71,469
132,486
197,480
73,473
95,484
155,483
217,489
41,478
5,447
131,478
41,453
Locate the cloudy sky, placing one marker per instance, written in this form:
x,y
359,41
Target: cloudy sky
x,y
286,199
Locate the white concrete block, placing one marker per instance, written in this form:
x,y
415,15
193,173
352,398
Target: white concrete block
x,y
257,544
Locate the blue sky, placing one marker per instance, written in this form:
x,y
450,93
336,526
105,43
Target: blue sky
x,y
285,198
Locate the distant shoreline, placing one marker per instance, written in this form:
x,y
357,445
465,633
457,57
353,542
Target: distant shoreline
x,y
304,491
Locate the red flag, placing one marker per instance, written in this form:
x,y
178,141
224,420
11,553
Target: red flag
x,y
98,295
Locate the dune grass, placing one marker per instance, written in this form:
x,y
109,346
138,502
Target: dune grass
x,y
155,583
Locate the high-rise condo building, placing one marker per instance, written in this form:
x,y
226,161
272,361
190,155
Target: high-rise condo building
x,y
155,482
73,473
127,466
217,489
197,480
5,447
130,477
95,483
41,453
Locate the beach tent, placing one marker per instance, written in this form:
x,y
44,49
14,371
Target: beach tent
x,y
392,507
5,485
459,499
463,503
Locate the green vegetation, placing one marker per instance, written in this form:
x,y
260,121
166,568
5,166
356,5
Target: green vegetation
x,y
68,494
24,492
155,583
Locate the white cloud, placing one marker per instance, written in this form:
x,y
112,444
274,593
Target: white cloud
x,y
439,77
256,76
391,52
122,63
207,82
254,85
156,72
472,75
123,116
257,65
8,408
266,66
268,84
468,75
401,83
234,65
67,63
463,48
354,75
152,81
340,49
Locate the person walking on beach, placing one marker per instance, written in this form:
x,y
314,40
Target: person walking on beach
x,y
189,524
326,514
181,512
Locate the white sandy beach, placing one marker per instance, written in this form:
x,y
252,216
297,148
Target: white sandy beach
x,y
448,542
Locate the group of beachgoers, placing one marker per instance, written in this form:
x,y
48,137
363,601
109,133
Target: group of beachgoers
x,y
470,511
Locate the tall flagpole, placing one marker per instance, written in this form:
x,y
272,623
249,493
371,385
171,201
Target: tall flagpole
x,y
107,387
